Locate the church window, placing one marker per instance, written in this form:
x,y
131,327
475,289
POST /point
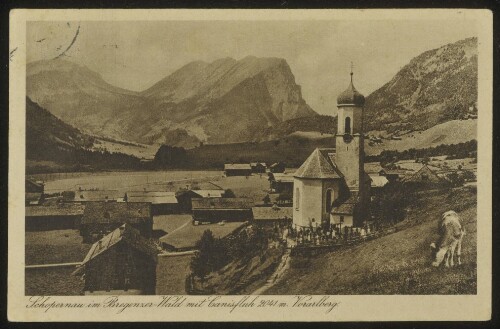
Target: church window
x,y
297,198
328,205
347,125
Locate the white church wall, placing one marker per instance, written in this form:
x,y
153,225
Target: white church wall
x,y
309,201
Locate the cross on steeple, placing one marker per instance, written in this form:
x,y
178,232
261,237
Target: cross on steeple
x,y
352,67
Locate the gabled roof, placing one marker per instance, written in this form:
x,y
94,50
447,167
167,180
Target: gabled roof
x,y
61,209
116,212
153,197
283,178
378,181
237,166
320,165
431,176
221,203
127,234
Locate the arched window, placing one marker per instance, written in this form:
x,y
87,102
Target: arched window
x,y
329,200
347,125
297,198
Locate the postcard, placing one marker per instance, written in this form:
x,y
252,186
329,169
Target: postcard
x,y
250,165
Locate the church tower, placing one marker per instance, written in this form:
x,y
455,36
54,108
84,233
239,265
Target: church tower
x,y
349,138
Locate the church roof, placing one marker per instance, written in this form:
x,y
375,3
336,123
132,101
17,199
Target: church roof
x,y
320,165
346,207
351,96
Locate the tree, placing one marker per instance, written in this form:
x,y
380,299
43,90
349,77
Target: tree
x,y
266,199
210,256
229,194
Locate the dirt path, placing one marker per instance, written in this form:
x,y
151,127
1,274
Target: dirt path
x,y
277,275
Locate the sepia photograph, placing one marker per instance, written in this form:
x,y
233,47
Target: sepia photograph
x,y
322,156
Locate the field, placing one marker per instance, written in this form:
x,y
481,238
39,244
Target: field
x,y
398,263
451,132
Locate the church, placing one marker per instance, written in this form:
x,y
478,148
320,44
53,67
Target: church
x,y
331,187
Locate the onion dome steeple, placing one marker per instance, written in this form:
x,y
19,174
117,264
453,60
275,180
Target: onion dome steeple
x,y
351,97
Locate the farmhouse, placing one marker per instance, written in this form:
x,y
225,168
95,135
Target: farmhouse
x,y
281,183
222,209
60,216
237,169
425,178
331,187
122,262
100,218
162,203
184,197
272,214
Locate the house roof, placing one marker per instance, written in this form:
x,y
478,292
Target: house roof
x,y
346,207
116,212
221,203
254,164
97,195
320,165
378,181
283,178
271,213
153,197
127,234
187,236
237,166
424,170
32,196
60,209
209,193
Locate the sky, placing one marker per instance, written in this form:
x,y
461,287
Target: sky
x,y
136,54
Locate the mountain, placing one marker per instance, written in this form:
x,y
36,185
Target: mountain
x,y
224,101
437,86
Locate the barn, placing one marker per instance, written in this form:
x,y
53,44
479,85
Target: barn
x,y
121,263
59,216
184,197
162,203
237,169
100,218
222,209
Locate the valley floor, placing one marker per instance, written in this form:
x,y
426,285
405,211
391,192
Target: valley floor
x,y
399,263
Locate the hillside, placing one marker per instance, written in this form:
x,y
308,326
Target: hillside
x,y
398,263
437,86
53,145
224,101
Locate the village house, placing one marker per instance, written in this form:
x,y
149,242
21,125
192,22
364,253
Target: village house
x,y
425,178
331,187
100,218
121,263
184,197
281,183
221,209
61,216
162,203
237,169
